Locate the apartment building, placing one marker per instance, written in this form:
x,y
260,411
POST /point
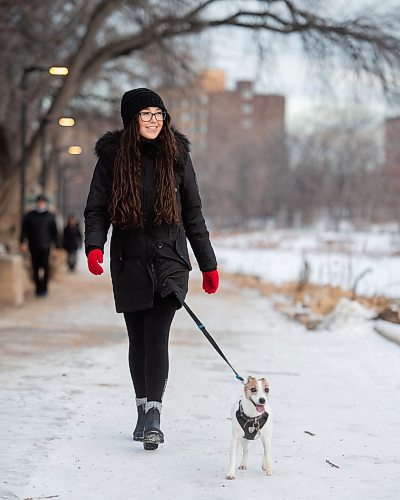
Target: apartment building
x,y
238,144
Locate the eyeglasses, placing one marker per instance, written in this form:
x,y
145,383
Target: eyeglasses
x,y
147,116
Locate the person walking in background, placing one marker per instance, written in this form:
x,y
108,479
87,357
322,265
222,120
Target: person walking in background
x,y
144,185
39,231
72,241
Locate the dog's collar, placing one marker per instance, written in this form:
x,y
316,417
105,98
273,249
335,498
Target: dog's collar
x,y
250,425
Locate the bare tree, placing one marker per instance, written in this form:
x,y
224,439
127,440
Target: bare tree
x,y
336,172
94,37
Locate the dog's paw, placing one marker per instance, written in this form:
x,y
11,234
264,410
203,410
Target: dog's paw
x,y
243,467
231,476
267,469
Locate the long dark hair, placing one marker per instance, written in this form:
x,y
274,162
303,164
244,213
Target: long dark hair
x,y
125,207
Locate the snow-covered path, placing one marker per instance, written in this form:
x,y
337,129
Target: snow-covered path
x,y
67,416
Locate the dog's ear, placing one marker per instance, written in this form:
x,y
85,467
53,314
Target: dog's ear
x,y
251,379
265,384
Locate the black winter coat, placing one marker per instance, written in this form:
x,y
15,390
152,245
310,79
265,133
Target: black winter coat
x,y
72,238
40,230
154,258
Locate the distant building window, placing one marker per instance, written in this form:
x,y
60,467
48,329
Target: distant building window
x,y
204,112
204,128
247,94
247,109
247,123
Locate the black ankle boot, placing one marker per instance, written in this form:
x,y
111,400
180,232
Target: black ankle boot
x,y
138,433
152,433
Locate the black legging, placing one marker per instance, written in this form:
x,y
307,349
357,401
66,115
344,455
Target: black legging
x,y
148,332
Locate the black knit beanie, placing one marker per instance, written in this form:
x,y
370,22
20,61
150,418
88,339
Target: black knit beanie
x,y
135,100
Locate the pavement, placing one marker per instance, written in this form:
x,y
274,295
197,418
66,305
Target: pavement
x,y
67,409
77,312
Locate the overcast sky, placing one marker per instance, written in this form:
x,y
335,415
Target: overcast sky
x,y
287,71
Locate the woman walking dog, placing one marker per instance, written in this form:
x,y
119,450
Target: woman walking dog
x,y
144,185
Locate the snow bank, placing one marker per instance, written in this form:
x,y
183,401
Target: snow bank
x,y
336,259
348,314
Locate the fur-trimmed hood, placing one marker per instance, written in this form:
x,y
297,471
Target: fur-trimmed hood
x,y
106,146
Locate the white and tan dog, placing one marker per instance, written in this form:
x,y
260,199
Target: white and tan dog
x,y
251,418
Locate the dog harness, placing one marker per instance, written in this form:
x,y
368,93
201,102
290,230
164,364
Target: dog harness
x,y
250,426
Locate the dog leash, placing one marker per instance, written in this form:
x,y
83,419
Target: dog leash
x,y
203,329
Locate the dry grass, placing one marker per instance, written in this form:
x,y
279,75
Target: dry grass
x,y
308,303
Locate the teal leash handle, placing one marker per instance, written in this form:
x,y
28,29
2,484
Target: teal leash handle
x,y
203,329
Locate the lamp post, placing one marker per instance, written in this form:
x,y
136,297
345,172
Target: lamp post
x,y
63,122
66,169
56,71
72,150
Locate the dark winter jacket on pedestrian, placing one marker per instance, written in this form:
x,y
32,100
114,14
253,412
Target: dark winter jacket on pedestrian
x,y
72,238
154,258
39,228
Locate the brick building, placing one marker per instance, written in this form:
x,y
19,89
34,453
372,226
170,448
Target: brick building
x,y
238,145
391,191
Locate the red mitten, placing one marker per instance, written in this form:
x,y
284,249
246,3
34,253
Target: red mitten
x,y
210,281
95,256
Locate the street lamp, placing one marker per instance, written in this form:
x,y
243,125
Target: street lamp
x,y
66,122
58,70
63,122
55,71
74,150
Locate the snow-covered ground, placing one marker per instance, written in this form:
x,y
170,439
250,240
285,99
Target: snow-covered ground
x,y
67,416
334,258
